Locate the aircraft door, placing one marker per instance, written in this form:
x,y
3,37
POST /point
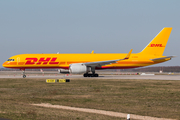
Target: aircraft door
x,y
18,60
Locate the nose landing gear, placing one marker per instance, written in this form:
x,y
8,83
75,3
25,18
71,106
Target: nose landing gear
x,y
24,75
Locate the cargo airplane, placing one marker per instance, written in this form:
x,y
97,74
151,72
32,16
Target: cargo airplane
x,y
88,63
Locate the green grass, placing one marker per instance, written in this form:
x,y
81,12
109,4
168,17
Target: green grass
x,y
141,97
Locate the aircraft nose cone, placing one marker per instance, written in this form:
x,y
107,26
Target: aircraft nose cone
x,y
5,64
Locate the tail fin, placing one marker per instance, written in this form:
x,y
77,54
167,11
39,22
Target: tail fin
x,y
158,44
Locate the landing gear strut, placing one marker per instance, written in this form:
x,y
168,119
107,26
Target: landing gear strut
x,y
93,73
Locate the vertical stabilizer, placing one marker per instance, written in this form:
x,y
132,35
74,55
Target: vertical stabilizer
x,y
157,45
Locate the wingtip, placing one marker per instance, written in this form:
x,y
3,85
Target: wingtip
x,y
128,55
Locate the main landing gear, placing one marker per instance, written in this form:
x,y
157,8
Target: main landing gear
x,y
93,73
90,75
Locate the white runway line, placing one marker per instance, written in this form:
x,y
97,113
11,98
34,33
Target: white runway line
x,y
103,112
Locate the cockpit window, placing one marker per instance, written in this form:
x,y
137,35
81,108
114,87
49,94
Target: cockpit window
x,y
10,60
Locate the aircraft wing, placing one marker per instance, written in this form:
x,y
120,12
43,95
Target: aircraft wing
x,y
163,58
101,63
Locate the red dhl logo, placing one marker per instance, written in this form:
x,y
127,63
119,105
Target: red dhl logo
x,y
43,61
156,45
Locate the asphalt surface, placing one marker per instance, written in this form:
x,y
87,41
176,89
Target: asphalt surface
x,y
59,76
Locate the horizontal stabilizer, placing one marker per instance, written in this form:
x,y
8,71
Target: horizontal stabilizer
x,y
163,58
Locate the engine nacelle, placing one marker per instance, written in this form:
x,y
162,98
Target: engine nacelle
x,y
78,68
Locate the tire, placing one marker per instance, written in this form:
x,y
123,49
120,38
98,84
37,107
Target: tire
x,y
90,75
96,75
85,75
24,76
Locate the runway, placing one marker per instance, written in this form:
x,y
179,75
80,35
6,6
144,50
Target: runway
x,y
58,76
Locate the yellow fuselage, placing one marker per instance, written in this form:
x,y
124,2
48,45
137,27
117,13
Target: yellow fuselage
x,y
40,61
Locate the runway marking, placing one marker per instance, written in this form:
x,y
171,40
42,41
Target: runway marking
x,y
103,112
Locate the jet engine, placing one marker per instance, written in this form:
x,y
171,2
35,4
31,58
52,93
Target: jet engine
x,y
79,68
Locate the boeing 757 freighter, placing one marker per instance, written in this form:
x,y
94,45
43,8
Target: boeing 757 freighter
x,y
88,63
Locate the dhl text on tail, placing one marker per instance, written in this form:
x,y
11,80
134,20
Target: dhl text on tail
x,y
88,63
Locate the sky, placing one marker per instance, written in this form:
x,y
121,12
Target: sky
x,y
80,26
